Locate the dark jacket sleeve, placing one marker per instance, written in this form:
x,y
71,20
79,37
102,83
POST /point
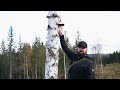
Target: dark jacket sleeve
x,y
72,55
90,71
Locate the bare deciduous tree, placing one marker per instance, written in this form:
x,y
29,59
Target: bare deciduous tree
x,y
52,45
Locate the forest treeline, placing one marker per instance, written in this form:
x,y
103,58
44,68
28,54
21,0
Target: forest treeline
x,y
28,61
25,61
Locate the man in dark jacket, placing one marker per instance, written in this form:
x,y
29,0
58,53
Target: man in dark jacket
x,y
82,66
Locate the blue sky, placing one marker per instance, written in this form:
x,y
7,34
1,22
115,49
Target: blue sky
x,y
94,26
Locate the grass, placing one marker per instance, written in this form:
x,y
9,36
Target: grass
x,y
108,71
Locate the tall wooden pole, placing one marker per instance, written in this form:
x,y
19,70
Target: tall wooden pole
x,y
52,45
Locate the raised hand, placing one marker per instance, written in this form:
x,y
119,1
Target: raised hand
x,y
60,30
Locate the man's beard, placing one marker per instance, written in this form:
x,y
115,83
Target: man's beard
x,y
81,54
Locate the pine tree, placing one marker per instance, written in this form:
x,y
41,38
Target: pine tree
x,y
10,35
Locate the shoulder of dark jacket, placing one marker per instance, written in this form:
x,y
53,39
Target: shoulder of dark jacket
x,y
88,57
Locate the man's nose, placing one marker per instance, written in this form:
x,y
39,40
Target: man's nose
x,y
81,49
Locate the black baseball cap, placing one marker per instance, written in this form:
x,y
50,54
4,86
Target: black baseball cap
x,y
82,44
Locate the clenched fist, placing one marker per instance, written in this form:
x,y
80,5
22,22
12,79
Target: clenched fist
x,y
60,30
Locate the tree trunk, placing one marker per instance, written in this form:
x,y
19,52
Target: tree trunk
x,y
52,46
10,59
65,59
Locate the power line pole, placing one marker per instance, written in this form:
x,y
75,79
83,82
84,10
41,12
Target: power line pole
x,y
52,45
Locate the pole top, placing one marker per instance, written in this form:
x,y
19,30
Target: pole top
x,y
53,14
